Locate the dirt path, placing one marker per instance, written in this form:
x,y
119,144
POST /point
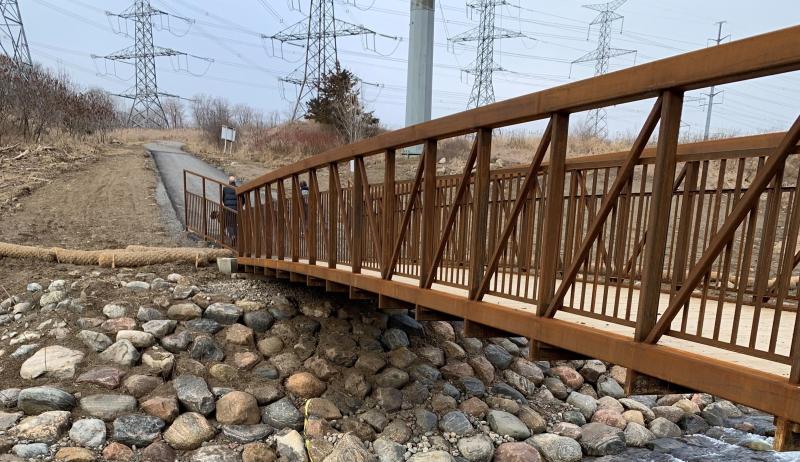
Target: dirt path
x,y
109,204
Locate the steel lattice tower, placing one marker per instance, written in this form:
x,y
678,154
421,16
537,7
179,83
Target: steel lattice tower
x,y
484,65
318,32
146,110
602,55
13,42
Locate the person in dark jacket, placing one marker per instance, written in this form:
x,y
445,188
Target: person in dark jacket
x,y
229,201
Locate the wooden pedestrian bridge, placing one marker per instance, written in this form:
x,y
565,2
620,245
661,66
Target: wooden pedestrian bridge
x,y
678,261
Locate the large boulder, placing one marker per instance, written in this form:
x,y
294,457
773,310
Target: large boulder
x,y
54,361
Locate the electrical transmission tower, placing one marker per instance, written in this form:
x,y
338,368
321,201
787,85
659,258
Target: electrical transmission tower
x,y
146,110
318,34
13,42
711,92
484,65
602,55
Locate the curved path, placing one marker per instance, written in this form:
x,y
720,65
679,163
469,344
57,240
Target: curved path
x,y
171,161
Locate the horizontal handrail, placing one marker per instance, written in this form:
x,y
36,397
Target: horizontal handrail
x,y
766,54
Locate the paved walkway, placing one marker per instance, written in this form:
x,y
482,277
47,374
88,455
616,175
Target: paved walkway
x,y
171,161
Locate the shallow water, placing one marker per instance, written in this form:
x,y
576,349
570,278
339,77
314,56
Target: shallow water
x,y
702,448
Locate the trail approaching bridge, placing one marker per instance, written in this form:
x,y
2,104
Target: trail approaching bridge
x,y
679,262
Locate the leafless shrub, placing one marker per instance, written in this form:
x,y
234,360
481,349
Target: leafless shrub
x,y
35,101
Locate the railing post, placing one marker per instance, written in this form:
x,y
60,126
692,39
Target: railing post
x,y
269,222
240,241
295,223
430,233
185,203
281,220
658,220
480,212
311,219
333,215
357,227
551,232
388,209
205,209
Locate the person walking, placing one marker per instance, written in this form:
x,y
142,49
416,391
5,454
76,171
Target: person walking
x,y
230,201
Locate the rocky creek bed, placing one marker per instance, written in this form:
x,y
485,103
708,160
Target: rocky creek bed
x,y
125,365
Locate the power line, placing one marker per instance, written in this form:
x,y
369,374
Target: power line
x,y
712,93
602,55
484,65
146,110
12,30
319,31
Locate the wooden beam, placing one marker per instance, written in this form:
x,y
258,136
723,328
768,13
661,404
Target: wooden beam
x,y
357,226
771,53
551,233
430,232
333,215
312,221
389,201
761,390
295,219
481,158
658,220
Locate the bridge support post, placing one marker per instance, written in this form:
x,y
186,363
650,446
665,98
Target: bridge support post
x,y
480,212
551,232
787,435
657,234
333,214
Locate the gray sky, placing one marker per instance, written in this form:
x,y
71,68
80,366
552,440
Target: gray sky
x,y
63,34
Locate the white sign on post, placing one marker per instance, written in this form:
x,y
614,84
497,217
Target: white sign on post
x,y
228,135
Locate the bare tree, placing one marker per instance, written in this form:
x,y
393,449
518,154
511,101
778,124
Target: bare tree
x,y
173,108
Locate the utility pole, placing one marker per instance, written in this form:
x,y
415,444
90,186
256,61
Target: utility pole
x,y
602,55
484,65
419,80
318,34
712,92
146,110
13,42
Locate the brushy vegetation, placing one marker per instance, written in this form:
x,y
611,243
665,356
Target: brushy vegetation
x,y
36,104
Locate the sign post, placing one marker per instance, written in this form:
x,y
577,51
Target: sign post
x,y
228,135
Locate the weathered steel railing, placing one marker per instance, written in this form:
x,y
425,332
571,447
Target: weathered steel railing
x,y
678,262
204,211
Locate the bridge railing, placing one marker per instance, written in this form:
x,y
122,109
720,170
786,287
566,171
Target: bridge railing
x,y
694,243
204,211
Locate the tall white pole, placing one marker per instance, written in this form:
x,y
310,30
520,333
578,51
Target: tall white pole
x,y
420,62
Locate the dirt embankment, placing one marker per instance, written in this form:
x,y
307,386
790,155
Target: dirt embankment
x,y
108,200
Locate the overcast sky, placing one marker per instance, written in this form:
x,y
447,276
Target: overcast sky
x,y
246,68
